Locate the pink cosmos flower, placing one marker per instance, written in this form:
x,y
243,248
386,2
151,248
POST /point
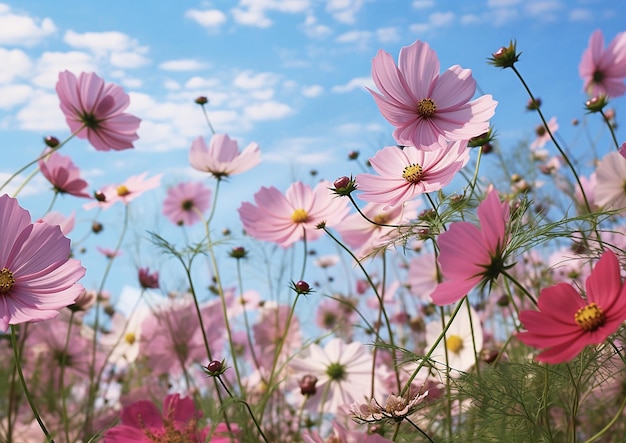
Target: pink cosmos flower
x,y
342,434
470,255
610,188
222,158
186,202
65,223
147,279
283,219
603,70
426,107
543,136
622,150
132,188
566,322
142,422
63,175
96,111
37,275
407,172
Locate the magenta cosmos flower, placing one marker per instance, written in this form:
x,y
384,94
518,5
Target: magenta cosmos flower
x,y
143,422
63,175
37,275
284,219
603,70
426,107
404,173
566,322
186,202
470,255
96,110
222,158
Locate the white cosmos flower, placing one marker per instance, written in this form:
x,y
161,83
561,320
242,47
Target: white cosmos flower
x,y
611,181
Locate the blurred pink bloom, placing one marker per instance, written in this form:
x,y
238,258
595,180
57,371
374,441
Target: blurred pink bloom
x,y
63,175
566,322
341,434
270,329
426,107
283,219
222,158
98,109
610,189
186,202
109,253
406,173
65,223
422,275
543,136
37,275
132,188
622,150
603,70
470,255
143,422
147,279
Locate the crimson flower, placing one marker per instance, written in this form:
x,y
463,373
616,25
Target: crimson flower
x,y
426,107
63,175
37,275
470,255
186,202
567,322
222,158
147,279
96,110
603,70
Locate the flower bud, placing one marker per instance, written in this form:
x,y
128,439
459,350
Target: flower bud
x,y
505,57
202,100
96,227
533,104
51,141
344,186
307,385
301,287
238,252
353,155
99,195
596,104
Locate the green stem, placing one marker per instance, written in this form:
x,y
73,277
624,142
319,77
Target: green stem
x,y
608,123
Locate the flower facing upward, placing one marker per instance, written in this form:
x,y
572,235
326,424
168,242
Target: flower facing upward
x,y
424,106
63,175
566,322
284,218
603,70
186,202
222,158
470,255
406,173
37,275
96,110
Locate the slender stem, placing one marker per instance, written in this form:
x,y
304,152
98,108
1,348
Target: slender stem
x,y
616,417
418,428
519,285
608,123
206,117
62,363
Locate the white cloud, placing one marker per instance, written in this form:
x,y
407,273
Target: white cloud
x,y
355,83
543,9
21,29
182,65
51,63
251,17
249,80
315,30
201,83
15,63
580,15
360,37
128,60
502,3
312,91
269,110
388,35
42,113
14,95
209,18
470,19
423,4
37,186
441,19
344,11
121,50
300,151
502,16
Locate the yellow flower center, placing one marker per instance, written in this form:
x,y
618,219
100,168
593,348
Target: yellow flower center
x,y
299,216
6,280
122,191
130,338
426,108
412,173
590,317
454,343
381,218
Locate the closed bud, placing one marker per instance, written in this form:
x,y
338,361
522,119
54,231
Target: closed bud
x,y
51,141
202,100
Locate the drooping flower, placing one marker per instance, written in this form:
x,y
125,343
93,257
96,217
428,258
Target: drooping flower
x,y
186,202
426,107
96,110
395,409
37,275
283,219
132,188
610,187
142,422
343,371
470,255
63,175
222,158
566,322
603,70
406,173
147,279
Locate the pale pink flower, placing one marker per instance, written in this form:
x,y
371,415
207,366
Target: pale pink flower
x,y
422,275
343,435
395,409
426,107
222,158
566,322
143,422
404,173
603,70
109,253
96,111
610,189
284,219
132,188
63,175
65,223
37,275
470,255
186,202
270,329
543,136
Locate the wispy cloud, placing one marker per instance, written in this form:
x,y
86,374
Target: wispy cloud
x,y
16,29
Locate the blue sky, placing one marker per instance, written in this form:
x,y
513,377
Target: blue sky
x,y
287,74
